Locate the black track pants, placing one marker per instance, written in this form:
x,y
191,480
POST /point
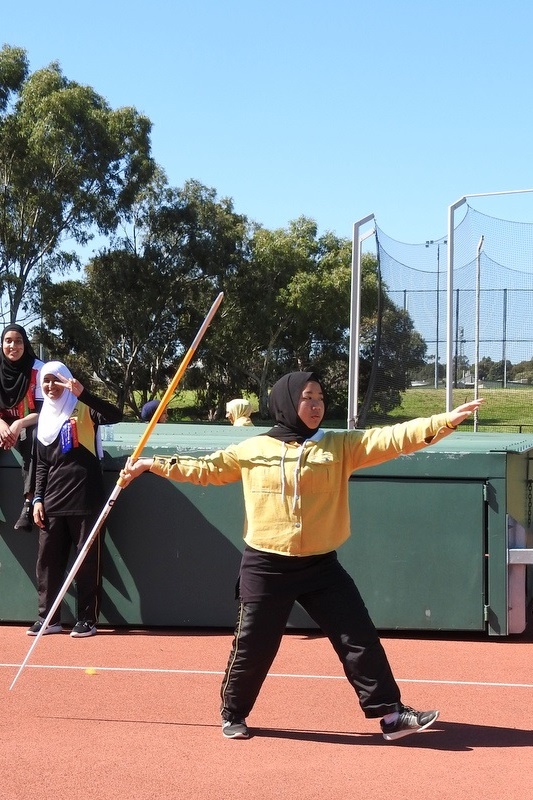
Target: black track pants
x,y
55,543
332,600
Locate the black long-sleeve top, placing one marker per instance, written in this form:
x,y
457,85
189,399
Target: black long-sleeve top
x,y
71,483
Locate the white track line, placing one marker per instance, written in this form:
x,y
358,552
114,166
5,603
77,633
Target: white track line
x,y
298,676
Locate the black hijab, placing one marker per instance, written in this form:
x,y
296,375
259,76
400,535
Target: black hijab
x,y
283,405
15,376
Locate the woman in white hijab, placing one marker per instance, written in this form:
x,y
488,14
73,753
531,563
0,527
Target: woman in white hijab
x,y
69,493
58,404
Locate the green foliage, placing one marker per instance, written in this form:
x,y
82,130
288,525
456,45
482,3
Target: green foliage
x,y
69,164
299,304
14,68
141,302
389,346
286,305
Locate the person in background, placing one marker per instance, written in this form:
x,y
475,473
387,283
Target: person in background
x,y
148,410
295,483
238,412
20,402
69,494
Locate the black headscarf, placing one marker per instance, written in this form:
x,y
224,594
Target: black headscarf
x,y
283,405
15,376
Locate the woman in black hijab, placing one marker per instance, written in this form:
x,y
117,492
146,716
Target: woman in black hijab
x,y
283,402
20,402
295,483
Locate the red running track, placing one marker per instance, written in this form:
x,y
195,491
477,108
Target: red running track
x,y
145,724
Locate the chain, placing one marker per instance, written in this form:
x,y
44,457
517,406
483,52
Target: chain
x,y
529,502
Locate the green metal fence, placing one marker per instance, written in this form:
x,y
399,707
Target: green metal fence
x,y
432,535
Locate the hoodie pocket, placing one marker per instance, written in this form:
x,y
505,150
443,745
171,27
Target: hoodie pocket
x,y
265,475
320,473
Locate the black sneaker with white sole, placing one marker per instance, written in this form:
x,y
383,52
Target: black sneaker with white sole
x,y
82,629
54,627
235,728
409,721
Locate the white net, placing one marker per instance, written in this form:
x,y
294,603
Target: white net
x,y
492,309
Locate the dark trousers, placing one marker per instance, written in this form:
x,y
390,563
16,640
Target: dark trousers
x,y
27,449
333,601
55,542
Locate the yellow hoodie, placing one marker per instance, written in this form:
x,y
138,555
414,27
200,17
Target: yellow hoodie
x,y
296,496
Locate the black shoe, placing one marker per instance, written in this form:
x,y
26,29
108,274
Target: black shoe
x,y
82,629
235,728
409,721
53,627
25,521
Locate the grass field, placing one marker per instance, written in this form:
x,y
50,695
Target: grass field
x,y
505,410
509,410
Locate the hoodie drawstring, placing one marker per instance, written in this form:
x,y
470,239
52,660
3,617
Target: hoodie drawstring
x,y
282,468
296,495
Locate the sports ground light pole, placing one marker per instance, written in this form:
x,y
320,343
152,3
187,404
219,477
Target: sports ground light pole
x,y
428,243
449,288
355,320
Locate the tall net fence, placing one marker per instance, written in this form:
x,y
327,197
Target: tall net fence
x,y
492,320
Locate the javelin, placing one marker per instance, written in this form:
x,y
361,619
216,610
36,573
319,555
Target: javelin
x,y
119,485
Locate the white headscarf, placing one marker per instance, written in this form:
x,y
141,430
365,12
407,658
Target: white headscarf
x,y
55,413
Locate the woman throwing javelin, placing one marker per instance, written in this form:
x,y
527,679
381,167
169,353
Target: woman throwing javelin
x,y
295,483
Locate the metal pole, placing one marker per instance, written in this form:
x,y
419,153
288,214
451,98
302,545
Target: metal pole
x,y
449,345
457,333
476,357
437,323
504,339
449,303
437,309
355,321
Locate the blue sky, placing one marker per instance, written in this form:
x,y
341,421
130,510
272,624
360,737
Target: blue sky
x,y
332,110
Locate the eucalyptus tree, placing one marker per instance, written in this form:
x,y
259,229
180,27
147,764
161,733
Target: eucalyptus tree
x,y
112,324
291,303
136,310
299,300
70,166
